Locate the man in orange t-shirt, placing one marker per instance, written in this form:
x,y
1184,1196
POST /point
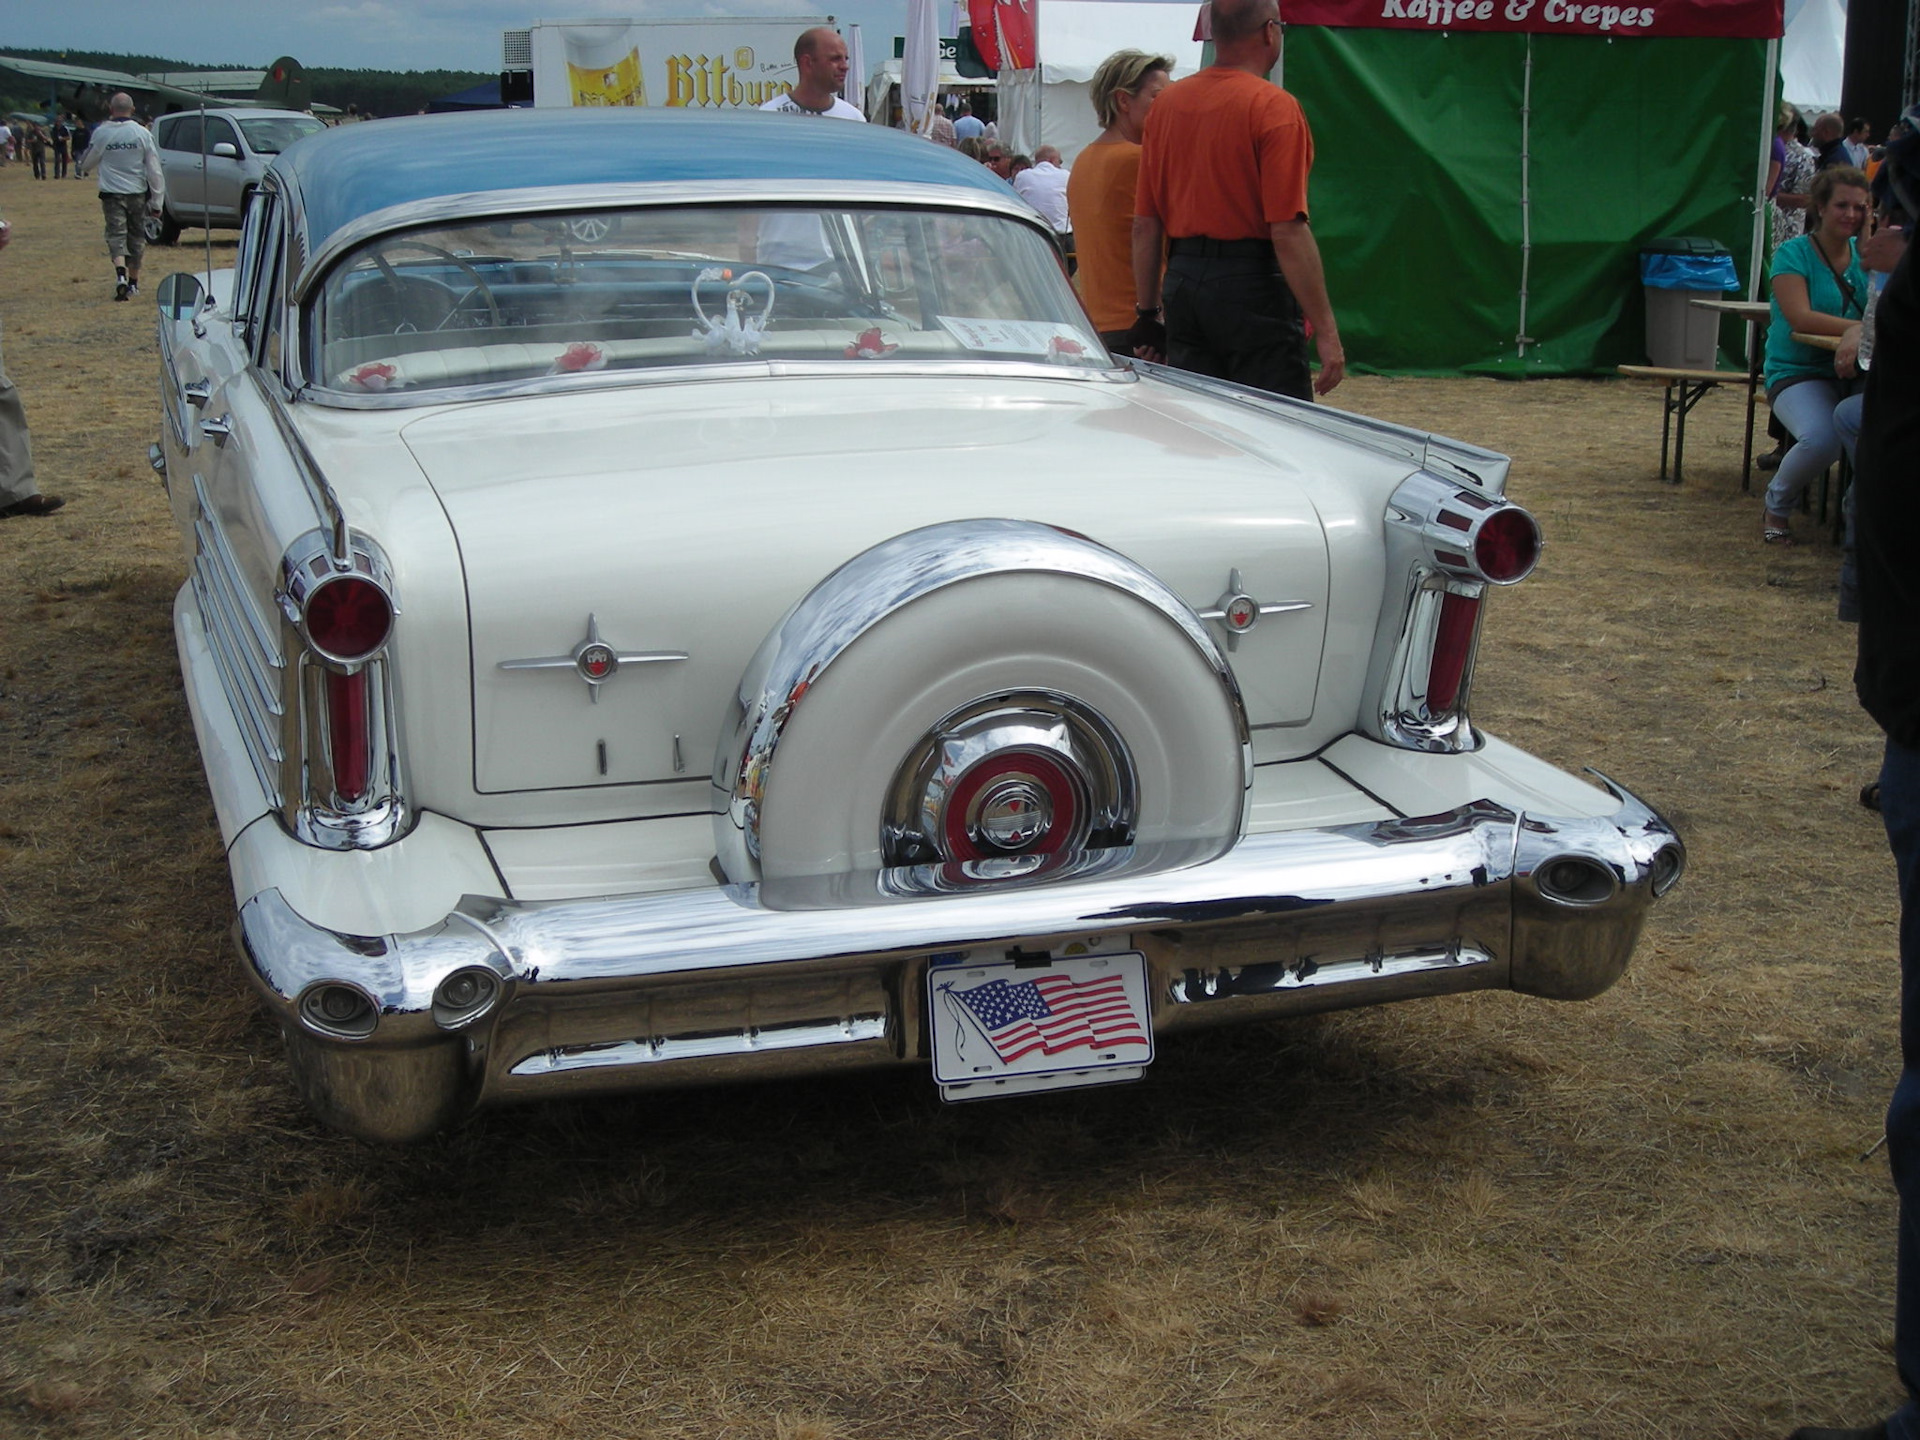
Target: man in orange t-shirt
x,y
1223,183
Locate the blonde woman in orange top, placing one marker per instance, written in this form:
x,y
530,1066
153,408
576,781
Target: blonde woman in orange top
x,y
1100,190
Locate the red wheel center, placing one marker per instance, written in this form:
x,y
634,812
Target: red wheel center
x,y
1012,803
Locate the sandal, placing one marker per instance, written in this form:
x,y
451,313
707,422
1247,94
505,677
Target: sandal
x,y
1771,536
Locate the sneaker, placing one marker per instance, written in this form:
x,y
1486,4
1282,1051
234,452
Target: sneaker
x,y
119,289
133,289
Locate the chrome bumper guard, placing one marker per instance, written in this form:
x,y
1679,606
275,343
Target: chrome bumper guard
x,y
392,1037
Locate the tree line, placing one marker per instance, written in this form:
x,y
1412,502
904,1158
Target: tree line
x,y
370,92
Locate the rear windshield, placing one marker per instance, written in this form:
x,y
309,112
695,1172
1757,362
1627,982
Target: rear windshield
x,y
636,289
270,134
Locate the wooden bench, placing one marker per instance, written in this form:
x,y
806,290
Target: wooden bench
x,y
1684,390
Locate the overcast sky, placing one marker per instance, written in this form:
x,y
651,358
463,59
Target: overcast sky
x,y
371,34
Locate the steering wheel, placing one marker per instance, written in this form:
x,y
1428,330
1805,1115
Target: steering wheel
x,y
479,285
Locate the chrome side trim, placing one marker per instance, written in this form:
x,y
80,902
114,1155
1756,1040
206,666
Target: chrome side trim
x,y
1196,987
723,982
1457,461
876,584
245,646
332,514
696,374
749,1040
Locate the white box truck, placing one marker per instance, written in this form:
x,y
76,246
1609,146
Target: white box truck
x,y
700,64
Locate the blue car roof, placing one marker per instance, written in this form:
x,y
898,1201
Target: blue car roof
x,y
351,171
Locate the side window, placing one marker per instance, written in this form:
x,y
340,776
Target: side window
x,y
259,253
182,133
272,322
220,132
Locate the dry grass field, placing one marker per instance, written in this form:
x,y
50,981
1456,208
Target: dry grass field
x,y
1649,1215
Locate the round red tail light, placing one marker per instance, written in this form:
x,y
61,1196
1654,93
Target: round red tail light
x,y
1507,546
348,618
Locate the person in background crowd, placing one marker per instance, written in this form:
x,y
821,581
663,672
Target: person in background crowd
x,y
1830,141
968,126
1859,141
796,239
820,56
132,187
1887,678
82,137
974,149
997,159
942,132
1043,185
62,146
1789,177
1223,182
1880,254
1101,185
19,494
1819,288
38,143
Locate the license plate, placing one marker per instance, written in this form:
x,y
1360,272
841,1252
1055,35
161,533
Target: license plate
x,y
1007,1028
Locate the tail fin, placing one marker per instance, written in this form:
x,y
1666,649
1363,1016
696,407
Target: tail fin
x,y
285,87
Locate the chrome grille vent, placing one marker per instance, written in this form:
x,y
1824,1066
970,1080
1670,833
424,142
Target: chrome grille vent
x,y
245,645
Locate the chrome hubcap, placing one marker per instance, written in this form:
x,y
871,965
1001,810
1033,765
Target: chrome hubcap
x,y
1010,816
1026,774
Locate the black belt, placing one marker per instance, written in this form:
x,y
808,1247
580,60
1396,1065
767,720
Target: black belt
x,y
1209,248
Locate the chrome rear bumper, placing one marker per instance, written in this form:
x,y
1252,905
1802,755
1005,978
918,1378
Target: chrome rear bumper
x,y
802,977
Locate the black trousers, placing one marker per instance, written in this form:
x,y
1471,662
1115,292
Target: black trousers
x,y
1233,317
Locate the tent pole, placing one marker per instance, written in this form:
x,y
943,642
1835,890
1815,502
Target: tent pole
x,y
1522,339
1762,205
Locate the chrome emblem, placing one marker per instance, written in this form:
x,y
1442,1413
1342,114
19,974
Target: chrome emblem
x,y
594,660
1238,612
597,662
1013,814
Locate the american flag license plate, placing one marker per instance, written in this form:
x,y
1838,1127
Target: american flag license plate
x,y
1002,1028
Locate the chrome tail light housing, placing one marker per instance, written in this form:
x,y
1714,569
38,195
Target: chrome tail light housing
x,y
1446,544
341,779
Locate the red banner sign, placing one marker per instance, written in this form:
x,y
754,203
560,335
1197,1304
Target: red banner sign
x,y
1754,19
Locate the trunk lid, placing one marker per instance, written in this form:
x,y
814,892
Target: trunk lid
x,y
690,518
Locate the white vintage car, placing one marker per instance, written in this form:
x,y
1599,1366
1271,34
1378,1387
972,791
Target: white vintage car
x,y
678,598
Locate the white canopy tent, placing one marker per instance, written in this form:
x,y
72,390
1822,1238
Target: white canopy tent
x,y
1811,55
883,89
1050,104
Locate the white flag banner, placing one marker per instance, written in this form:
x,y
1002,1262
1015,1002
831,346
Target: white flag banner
x,y
855,91
920,66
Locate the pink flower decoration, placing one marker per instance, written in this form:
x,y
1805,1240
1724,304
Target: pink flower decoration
x,y
870,345
376,375
581,355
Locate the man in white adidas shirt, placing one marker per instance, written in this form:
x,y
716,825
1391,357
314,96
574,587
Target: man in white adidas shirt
x,y
795,240
131,188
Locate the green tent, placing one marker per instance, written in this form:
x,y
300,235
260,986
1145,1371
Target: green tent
x,y
1480,198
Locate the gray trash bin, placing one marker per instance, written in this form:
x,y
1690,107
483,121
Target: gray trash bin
x,y
1676,270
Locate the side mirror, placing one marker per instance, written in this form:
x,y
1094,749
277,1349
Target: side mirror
x,y
226,151
179,295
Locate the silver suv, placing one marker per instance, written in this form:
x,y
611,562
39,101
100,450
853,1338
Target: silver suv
x,y
212,160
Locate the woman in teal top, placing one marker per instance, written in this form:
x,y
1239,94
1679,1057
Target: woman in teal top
x,y
1819,288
